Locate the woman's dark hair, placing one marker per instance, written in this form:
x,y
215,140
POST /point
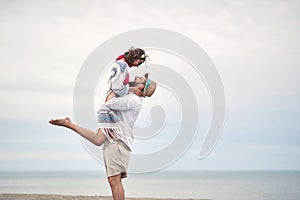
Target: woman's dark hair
x,y
134,53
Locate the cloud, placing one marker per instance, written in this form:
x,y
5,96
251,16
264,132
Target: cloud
x,y
255,46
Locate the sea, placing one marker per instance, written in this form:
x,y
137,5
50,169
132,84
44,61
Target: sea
x,y
217,185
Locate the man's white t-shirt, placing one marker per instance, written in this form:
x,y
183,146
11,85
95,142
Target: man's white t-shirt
x,y
128,108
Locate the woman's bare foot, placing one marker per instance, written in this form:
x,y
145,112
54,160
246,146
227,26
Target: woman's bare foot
x,y
61,122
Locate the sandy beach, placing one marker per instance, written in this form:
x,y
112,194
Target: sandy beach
x,y
65,197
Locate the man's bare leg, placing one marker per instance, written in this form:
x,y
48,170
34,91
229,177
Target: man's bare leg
x,y
96,138
116,187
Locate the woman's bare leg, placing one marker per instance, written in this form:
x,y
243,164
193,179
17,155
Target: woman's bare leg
x,y
95,138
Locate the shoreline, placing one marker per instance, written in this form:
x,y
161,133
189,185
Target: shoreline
x,y
23,196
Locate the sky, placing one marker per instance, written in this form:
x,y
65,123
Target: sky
x,y
253,45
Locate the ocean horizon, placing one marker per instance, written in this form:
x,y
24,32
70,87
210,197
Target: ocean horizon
x,y
223,185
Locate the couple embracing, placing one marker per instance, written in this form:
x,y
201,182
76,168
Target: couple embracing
x,y
116,118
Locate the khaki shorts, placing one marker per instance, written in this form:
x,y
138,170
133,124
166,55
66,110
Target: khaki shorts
x,y
116,158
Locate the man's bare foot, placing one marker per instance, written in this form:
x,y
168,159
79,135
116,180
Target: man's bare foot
x,y
61,122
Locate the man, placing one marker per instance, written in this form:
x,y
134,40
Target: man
x,y
117,149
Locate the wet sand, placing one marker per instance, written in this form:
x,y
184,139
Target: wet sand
x,y
65,197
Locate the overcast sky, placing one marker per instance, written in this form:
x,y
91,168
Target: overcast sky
x,y
254,46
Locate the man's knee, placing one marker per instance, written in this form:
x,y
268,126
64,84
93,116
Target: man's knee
x,y
114,180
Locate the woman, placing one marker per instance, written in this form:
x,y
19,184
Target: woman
x,y
119,77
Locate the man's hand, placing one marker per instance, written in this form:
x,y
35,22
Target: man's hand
x,y
137,91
